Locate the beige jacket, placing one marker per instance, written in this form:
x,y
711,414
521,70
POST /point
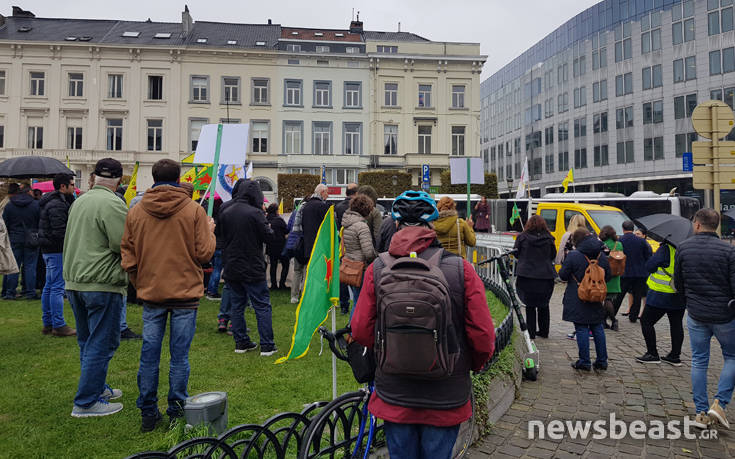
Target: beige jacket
x,y
357,239
454,233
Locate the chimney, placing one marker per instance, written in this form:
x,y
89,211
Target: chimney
x,y
270,22
356,26
399,26
186,21
19,12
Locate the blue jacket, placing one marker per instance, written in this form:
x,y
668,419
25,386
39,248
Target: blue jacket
x,y
572,271
660,299
637,252
21,216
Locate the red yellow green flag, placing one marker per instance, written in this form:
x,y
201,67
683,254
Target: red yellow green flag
x,y
321,288
132,186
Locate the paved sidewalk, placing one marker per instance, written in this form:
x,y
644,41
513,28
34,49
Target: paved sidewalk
x,y
633,391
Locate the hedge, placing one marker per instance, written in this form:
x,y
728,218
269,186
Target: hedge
x,y
382,181
489,189
292,186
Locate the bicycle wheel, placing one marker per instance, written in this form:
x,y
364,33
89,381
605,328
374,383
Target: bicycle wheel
x,y
339,422
466,432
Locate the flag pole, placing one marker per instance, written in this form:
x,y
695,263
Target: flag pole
x,y
334,357
468,188
215,171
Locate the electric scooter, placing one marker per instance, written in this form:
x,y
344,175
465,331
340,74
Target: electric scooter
x,y
531,362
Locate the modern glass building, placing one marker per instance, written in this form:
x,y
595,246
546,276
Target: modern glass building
x,y
610,93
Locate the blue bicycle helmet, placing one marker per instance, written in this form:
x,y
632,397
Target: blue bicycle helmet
x,y
414,207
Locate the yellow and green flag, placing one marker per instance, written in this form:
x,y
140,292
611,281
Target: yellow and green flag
x,y
515,214
567,179
321,288
132,186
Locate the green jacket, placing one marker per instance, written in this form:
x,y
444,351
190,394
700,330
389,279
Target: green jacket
x,y
92,243
613,286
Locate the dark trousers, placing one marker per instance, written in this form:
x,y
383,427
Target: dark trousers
x,y
651,315
275,259
637,286
344,297
536,294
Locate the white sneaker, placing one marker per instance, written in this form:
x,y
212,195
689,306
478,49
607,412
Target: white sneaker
x,y
716,412
110,394
100,408
294,300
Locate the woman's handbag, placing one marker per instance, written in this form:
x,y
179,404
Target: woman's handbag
x,y
350,272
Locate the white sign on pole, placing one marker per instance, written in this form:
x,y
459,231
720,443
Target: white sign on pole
x,y
458,168
233,146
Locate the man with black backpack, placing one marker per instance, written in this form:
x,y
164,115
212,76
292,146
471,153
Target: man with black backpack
x,y
424,312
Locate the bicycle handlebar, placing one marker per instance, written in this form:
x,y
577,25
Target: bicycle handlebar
x,y
336,340
502,255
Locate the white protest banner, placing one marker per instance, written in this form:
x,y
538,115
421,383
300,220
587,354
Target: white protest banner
x,y
233,146
458,168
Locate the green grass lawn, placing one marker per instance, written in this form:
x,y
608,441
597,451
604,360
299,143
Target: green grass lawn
x,y
39,375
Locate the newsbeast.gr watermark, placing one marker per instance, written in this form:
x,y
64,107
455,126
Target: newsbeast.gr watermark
x,y
617,429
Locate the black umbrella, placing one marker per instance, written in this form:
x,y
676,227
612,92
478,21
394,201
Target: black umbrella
x,y
672,228
731,213
32,167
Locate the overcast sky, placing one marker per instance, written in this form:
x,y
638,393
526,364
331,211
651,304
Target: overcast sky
x,y
504,28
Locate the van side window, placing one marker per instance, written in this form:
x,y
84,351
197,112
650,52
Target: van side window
x,y
550,216
568,214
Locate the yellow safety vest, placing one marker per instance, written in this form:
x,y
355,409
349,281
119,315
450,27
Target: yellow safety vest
x,y
661,280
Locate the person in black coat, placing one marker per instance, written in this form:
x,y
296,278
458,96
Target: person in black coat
x,y
585,316
274,248
637,252
21,217
339,210
535,273
312,215
245,231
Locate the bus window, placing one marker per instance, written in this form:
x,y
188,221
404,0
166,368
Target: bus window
x,y
550,216
568,214
688,207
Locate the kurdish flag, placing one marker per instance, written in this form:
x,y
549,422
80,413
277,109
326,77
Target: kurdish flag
x,y
132,186
321,288
515,214
567,179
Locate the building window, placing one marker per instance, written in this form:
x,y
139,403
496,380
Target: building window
x,y
388,49
652,77
321,134
599,91
293,134
35,137
458,140
682,25
195,128
74,138
293,48
322,93
690,64
115,86
719,20
563,102
425,95
683,143
624,84
563,131
563,161
580,127
599,123
623,42
562,73
549,135
344,176
2,85
599,50
38,80
625,152
624,117
200,89
715,62
653,148
155,135
425,140
653,112
352,50
457,96
353,96
580,158
322,49
231,90
579,63
684,106
293,93
390,139
114,134
155,87
260,91
352,138
391,94
651,32
549,162
76,85
601,156
259,130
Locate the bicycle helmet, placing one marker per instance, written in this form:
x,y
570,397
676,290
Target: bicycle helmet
x,y
414,207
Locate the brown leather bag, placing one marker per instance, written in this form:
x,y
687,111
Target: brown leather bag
x,y
617,261
592,288
350,272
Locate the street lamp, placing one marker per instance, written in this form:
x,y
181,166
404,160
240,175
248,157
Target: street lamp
x,y
510,185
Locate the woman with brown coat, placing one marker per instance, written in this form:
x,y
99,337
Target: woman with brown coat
x,y
454,233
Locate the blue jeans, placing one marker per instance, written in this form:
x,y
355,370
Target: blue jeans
x,y
213,287
52,297
414,441
260,299
700,335
98,333
355,292
583,343
27,258
124,315
226,303
183,324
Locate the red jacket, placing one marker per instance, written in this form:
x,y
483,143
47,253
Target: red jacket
x,y
478,327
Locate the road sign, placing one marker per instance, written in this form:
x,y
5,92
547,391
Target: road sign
x,y
702,152
425,186
426,173
705,112
687,164
703,177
